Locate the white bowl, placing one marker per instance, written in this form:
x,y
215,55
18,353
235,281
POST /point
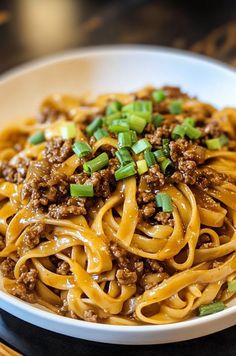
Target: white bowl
x,y
111,69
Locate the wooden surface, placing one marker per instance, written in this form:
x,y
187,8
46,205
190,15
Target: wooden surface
x,y
30,29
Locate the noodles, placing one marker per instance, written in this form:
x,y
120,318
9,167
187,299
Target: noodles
x,y
121,211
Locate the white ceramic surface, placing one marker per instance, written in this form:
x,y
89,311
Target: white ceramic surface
x,y
112,69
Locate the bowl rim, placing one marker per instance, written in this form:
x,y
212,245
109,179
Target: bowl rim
x,y
101,51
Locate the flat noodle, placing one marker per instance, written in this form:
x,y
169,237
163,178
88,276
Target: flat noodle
x,y
117,258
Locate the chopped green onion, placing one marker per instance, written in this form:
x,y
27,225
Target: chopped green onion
x,y
160,156
113,107
100,133
81,149
176,107
223,140
179,131
119,126
137,123
158,96
232,286
81,190
142,108
125,171
142,166
192,132
149,157
134,137
94,125
213,143
167,167
97,163
163,200
165,146
37,138
211,308
109,119
124,156
125,139
68,131
141,145
189,120
157,120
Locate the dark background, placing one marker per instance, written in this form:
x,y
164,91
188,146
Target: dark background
x,y
30,29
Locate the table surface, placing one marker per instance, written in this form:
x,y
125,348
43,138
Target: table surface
x,y
32,29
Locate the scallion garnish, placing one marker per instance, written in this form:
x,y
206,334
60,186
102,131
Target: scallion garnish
x,y
81,149
158,96
217,143
211,308
141,145
68,131
125,171
119,126
125,139
149,157
160,156
113,107
157,120
175,107
94,125
97,163
189,120
137,123
192,132
134,137
179,131
167,167
232,286
142,166
165,146
81,190
37,138
163,200
142,108
100,133
109,119
123,156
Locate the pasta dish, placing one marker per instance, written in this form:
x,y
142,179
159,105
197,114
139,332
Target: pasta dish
x,y
122,210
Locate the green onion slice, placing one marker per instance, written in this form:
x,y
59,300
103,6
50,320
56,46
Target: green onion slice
x,y
36,138
167,167
94,125
175,107
141,145
189,121
157,120
123,156
113,107
125,171
178,131
217,143
125,139
68,131
211,308
149,157
136,123
97,163
81,190
232,286
119,126
81,149
192,132
163,200
142,166
142,108
109,119
165,146
158,96
100,133
160,156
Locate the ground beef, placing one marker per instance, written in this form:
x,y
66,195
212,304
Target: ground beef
x,y
49,114
63,268
153,265
185,150
14,172
20,291
57,150
90,315
33,235
164,218
148,210
7,268
156,137
126,277
207,177
174,92
212,129
28,277
72,206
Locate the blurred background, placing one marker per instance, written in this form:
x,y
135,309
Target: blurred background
x,y
30,29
